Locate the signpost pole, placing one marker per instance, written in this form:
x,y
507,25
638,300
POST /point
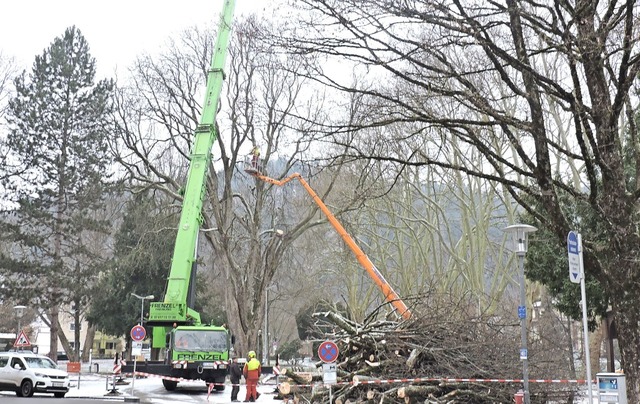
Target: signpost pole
x,y
585,326
133,379
328,353
576,275
138,333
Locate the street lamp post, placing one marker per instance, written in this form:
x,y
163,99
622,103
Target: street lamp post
x,y
19,313
519,232
142,299
279,233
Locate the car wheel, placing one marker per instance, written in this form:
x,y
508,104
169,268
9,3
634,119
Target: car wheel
x,y
26,388
59,395
170,385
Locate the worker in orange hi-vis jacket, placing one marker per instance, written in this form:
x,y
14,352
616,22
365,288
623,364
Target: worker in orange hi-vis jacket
x,y
251,372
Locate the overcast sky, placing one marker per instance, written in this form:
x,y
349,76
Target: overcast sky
x,y
116,30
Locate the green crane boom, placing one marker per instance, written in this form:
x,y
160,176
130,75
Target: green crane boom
x,y
188,349
177,307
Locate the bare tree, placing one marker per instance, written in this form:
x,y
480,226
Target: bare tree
x,y
8,71
482,77
265,104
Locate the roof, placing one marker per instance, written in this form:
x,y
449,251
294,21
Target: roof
x,y
7,335
21,352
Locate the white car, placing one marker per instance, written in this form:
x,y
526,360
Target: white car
x,y
28,373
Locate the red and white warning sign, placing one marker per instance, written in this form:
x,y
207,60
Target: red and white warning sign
x,y
22,340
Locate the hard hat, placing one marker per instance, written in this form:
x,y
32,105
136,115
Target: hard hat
x,y
252,354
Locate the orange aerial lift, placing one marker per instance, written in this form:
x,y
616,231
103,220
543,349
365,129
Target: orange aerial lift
x,y
390,295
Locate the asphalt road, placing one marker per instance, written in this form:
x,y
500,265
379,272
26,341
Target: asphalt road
x,y
91,387
50,400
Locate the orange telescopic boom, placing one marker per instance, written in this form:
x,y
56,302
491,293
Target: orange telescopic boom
x,y
389,294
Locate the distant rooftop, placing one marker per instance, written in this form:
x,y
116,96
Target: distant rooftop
x,y
7,335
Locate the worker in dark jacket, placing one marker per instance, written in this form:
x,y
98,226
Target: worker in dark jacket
x,y
251,372
235,373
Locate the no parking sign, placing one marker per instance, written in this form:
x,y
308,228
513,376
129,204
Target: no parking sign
x,y
328,352
138,333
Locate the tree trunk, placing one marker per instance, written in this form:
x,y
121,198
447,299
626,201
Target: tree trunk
x,y
88,343
53,333
595,342
629,341
64,341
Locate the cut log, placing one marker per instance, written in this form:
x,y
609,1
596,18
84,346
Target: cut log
x,y
416,391
286,388
299,378
413,357
357,379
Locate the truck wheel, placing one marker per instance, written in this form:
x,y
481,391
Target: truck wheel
x,y
219,386
170,385
26,389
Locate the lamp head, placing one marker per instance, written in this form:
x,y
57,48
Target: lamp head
x,y
19,310
519,232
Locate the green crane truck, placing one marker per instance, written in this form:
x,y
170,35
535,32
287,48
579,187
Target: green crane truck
x,y
192,350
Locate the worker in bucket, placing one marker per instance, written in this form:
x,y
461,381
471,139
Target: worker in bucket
x,y
251,372
255,157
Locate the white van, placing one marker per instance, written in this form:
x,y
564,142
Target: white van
x,y
28,373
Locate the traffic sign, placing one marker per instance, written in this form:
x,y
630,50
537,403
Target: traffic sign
x,y
22,340
136,348
524,353
138,333
329,373
328,352
574,249
522,312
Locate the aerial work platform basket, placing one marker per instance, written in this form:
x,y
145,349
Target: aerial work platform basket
x,y
253,165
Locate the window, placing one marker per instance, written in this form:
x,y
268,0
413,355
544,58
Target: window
x,y
110,345
3,362
42,363
201,340
17,361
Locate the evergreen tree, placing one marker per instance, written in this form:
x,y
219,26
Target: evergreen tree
x,y
142,256
141,263
56,177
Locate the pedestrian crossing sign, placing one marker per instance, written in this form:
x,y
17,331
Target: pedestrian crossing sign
x,y
22,340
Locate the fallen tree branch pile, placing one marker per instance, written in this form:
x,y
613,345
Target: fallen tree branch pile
x,y
442,348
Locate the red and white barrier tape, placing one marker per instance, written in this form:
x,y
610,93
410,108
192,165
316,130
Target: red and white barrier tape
x,y
211,386
451,380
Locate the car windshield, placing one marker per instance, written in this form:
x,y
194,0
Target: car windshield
x,y
200,340
43,363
